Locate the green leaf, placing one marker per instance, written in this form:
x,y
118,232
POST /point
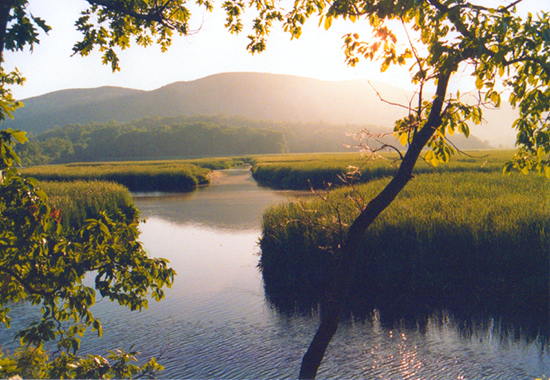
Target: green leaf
x,y
464,129
403,138
20,136
479,83
429,156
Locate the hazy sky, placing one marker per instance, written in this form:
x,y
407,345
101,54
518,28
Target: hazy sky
x,y
213,50
317,54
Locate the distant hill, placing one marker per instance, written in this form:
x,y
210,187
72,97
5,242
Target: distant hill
x,y
278,98
73,106
267,98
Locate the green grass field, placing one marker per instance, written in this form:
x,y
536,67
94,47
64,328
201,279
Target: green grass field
x,y
80,191
285,171
136,176
461,235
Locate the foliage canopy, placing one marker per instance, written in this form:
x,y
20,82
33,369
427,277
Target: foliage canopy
x,y
46,264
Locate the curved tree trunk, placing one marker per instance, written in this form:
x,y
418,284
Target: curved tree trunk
x,y
333,306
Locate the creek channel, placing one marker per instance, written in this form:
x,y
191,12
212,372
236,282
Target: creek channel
x,y
215,321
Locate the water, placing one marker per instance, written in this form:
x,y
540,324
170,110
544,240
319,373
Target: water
x,y
215,322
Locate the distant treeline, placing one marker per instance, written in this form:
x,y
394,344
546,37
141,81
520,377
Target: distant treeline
x,y
149,139
189,137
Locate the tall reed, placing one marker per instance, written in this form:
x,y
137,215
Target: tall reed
x,y
81,200
159,175
464,241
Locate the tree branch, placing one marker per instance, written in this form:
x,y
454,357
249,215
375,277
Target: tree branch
x,y
457,23
543,65
386,101
482,8
28,287
466,33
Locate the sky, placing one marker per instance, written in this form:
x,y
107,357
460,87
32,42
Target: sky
x,y
317,54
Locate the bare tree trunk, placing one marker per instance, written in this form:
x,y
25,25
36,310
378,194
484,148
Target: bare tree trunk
x,y
334,305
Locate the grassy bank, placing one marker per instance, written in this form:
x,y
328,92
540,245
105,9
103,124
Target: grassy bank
x,y
81,191
136,176
300,171
470,242
170,176
81,200
219,163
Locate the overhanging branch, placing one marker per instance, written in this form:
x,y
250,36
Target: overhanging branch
x,y
30,289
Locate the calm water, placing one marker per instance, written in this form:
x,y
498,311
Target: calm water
x,y
215,322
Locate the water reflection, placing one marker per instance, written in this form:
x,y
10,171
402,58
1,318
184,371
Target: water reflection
x,y
513,324
233,201
215,321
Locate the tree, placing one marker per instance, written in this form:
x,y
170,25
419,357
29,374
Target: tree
x,y
42,262
504,53
45,264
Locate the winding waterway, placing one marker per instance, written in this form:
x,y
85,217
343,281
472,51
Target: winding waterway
x,y
216,323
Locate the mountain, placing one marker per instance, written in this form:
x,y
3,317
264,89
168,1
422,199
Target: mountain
x,y
72,106
279,98
255,96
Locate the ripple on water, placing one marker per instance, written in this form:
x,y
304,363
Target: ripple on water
x,y
215,323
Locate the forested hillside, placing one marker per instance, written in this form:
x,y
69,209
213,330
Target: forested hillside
x,y
191,137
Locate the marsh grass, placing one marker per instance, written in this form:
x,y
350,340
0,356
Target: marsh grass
x,y
302,171
81,200
219,163
168,176
135,176
82,190
467,241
